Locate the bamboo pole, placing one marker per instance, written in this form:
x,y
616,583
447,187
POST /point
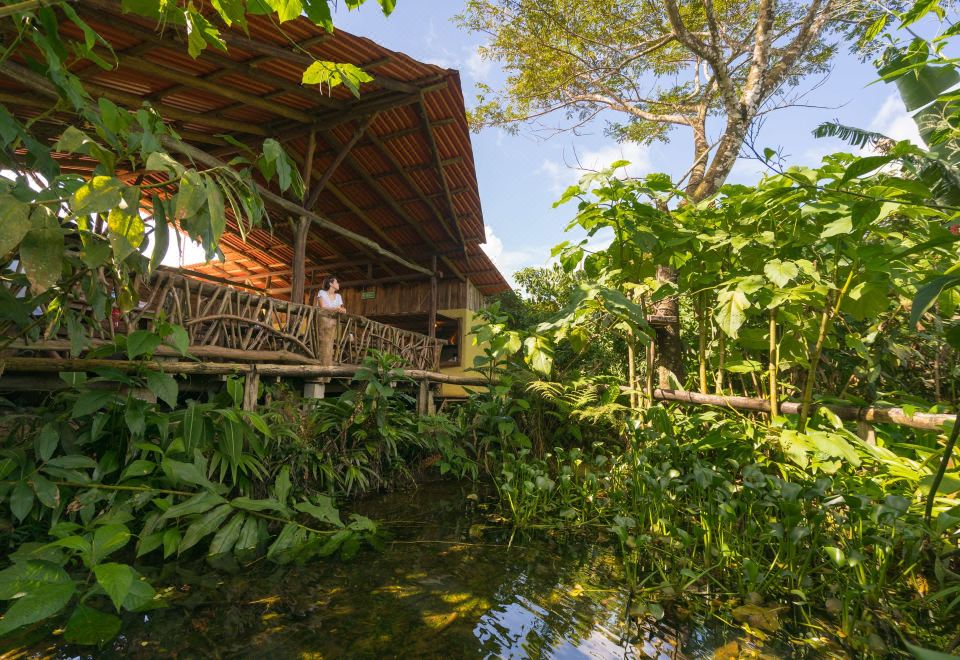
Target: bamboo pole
x,y
773,365
702,348
925,421
48,365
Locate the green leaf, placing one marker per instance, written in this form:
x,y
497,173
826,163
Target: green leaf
x,y
161,233
127,231
47,492
42,254
282,485
780,272
206,525
21,500
90,402
141,596
842,225
138,468
836,555
927,295
248,504
91,627
200,32
863,166
323,510
99,194
141,342
46,442
14,223
185,472
171,539
178,339
193,423
333,74
731,311
164,386
107,540
921,653
30,575
116,580
224,540
36,605
199,503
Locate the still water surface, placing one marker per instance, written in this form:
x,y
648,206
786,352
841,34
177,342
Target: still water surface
x,y
448,585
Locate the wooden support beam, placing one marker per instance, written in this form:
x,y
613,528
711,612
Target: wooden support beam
x,y
304,59
48,365
225,91
95,9
398,166
432,316
431,139
388,199
436,123
924,421
343,153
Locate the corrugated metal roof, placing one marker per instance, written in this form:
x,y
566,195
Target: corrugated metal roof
x,y
390,183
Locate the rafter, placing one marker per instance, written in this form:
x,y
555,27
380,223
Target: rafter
x,y
428,131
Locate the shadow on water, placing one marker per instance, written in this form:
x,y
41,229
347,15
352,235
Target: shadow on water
x,y
448,585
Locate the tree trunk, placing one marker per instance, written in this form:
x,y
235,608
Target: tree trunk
x,y
669,346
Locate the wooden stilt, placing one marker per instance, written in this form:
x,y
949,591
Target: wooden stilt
x,y
251,391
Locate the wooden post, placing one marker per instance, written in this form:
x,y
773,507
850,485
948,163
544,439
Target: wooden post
x,y
432,317
425,404
251,390
314,389
299,279
300,261
866,432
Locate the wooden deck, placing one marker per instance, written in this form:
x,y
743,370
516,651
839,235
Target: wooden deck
x,y
226,323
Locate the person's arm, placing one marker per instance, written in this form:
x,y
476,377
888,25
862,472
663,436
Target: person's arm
x,y
341,308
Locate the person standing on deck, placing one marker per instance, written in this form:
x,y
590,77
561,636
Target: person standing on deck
x,y
329,296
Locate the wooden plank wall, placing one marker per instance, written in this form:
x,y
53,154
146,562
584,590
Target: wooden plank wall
x,y
411,298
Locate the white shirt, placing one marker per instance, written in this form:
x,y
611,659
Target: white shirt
x,y
327,303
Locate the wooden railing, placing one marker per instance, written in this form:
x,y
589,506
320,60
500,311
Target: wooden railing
x,y
223,321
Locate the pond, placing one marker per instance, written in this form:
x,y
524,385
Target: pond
x,y
449,584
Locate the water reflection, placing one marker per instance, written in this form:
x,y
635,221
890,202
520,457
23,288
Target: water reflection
x,y
449,586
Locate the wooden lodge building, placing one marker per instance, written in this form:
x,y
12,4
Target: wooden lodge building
x,y
392,206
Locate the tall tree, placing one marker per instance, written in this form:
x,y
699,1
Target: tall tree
x,y
711,67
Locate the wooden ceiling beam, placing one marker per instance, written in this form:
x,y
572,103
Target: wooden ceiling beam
x,y
342,154
248,68
413,168
305,59
392,203
224,91
398,166
432,141
386,137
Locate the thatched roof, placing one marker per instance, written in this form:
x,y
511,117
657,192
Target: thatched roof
x,y
404,173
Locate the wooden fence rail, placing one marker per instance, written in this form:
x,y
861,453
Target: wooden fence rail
x,y
226,322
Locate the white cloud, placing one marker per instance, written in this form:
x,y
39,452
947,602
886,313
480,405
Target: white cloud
x,y
893,121
476,66
564,174
510,261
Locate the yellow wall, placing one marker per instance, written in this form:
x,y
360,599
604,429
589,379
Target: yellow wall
x,y
468,350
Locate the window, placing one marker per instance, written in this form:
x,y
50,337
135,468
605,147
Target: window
x,y
448,329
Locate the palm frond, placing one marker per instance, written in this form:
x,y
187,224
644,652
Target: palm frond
x,y
857,137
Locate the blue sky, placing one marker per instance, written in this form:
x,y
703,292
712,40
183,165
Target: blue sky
x,y
521,175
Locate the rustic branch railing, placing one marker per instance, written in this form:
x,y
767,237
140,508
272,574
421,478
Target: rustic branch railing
x,y
235,322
